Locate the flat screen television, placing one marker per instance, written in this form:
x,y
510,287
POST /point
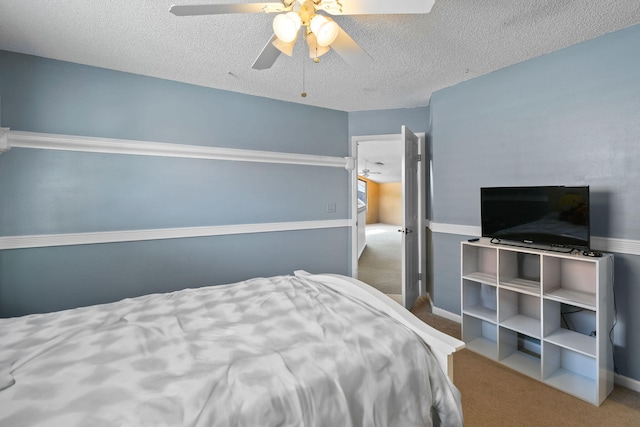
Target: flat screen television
x,y
544,215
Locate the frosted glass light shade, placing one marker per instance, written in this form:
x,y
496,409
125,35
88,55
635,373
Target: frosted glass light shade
x,y
286,26
325,30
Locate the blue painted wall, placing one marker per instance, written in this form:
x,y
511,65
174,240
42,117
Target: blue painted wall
x,y
42,95
385,122
43,191
568,118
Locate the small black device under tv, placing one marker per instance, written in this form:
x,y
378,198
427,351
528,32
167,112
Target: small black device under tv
x,y
544,215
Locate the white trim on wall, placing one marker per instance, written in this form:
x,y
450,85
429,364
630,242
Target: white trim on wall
x,y
621,246
627,382
464,230
604,244
19,139
446,314
68,239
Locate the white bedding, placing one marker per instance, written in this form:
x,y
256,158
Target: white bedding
x,y
279,351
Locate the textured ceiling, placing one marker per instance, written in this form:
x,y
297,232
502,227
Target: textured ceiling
x,y
414,55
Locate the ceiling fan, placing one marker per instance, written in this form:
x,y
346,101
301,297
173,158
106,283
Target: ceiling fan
x,y
366,171
321,32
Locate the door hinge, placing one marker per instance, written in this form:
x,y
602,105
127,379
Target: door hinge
x,y
419,276
419,158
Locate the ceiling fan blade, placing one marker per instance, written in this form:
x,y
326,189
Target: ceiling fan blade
x,y
218,9
349,50
284,47
376,7
268,55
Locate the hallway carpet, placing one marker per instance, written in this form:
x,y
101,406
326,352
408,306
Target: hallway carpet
x,y
380,262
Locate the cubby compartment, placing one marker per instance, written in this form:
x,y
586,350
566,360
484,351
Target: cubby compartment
x,y
480,336
520,352
479,300
481,264
520,312
573,281
570,327
571,372
520,271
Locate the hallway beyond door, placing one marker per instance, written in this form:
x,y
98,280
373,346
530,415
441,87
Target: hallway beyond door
x,y
381,261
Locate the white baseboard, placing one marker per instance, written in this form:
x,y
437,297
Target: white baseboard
x,y
627,382
361,250
446,314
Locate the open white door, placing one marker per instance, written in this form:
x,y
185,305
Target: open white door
x,y
410,220
413,199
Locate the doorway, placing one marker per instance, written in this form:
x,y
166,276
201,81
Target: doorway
x,y
380,264
381,161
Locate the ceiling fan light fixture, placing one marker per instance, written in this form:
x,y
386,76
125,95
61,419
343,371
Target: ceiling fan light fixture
x,y
325,30
286,26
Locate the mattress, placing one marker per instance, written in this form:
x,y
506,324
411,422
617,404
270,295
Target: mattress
x,y
273,351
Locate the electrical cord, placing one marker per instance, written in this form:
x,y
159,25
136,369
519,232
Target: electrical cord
x,y
566,321
615,313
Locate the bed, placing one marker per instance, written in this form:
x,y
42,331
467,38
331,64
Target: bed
x,y
303,349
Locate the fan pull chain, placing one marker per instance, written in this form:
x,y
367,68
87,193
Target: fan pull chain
x,y
304,93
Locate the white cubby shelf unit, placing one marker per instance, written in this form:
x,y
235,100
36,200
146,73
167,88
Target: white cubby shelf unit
x,y
546,314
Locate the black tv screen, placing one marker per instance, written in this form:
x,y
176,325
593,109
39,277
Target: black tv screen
x,y
547,215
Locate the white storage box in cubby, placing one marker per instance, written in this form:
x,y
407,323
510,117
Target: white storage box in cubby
x,y
546,314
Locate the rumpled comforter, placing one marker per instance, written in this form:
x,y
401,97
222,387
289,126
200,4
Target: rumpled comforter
x,y
280,351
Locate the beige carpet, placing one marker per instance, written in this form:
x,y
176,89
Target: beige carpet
x,y
494,395
380,262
